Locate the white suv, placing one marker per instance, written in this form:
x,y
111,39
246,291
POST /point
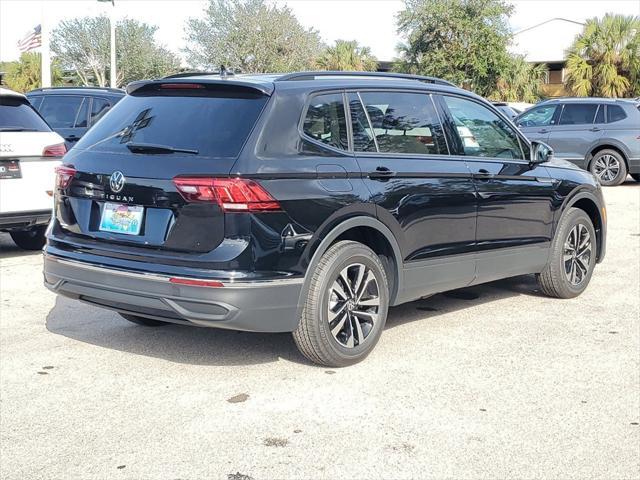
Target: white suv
x,y
29,153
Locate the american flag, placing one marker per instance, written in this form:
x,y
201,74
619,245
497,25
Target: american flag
x,y
32,40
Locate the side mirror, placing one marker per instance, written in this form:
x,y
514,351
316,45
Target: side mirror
x,y
541,152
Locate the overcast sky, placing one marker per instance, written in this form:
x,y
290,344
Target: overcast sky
x,y
371,22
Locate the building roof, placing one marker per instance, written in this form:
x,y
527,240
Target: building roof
x,y
546,42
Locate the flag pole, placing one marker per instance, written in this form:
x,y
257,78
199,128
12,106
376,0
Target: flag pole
x,y
45,55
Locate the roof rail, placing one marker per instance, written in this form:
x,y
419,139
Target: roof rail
x,y
406,76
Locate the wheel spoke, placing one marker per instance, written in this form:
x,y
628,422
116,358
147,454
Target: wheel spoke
x,y
337,289
369,302
356,321
334,314
344,276
357,284
340,325
350,343
368,315
368,279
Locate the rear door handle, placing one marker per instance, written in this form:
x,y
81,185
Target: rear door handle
x,y
382,172
544,130
594,129
482,174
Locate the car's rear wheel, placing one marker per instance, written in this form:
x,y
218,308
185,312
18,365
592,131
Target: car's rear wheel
x,y
609,167
147,322
31,239
573,256
346,307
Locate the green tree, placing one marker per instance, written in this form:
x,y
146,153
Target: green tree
x,y
250,35
82,45
463,41
347,55
520,81
604,59
26,74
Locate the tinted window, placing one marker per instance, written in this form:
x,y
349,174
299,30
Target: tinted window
x,y
482,132
61,111
363,136
17,114
99,107
537,117
599,115
325,120
578,113
615,113
215,125
404,122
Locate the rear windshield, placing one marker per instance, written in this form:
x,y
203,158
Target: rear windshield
x,y
17,115
215,125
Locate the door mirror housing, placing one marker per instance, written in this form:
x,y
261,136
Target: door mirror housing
x,y
541,152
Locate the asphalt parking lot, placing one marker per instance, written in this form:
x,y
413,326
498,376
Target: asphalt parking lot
x,y
492,381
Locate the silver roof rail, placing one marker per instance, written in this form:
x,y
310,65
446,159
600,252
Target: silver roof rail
x,y
389,75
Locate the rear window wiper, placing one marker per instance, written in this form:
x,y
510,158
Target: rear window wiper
x,y
155,148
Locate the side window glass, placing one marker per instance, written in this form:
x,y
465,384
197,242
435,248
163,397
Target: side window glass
x,y
83,112
99,107
325,121
404,123
615,113
538,117
35,102
578,114
600,114
60,111
482,132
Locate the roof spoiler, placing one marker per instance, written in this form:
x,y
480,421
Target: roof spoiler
x,y
262,88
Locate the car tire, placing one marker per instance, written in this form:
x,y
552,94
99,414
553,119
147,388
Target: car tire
x,y
609,167
636,176
31,239
346,306
572,258
146,322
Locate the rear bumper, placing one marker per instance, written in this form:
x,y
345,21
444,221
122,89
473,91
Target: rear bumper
x,y
634,165
260,306
23,220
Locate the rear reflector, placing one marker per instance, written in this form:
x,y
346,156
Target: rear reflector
x,y
57,150
181,86
232,194
64,176
196,283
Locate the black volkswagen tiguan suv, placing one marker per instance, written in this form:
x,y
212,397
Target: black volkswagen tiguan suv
x,y
310,203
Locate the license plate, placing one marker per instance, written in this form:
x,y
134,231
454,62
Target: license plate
x,y
10,169
119,218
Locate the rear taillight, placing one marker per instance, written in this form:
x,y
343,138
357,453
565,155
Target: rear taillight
x,y
57,150
232,194
64,176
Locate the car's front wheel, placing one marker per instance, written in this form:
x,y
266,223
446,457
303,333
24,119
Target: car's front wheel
x,y
573,256
31,239
346,307
609,168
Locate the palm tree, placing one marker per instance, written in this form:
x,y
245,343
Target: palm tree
x,y
347,55
520,81
604,59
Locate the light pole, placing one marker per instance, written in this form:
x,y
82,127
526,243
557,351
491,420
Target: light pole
x,y
112,31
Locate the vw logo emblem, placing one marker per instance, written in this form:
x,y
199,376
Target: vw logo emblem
x,y
116,181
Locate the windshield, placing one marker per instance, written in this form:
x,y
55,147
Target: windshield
x,y
213,126
17,115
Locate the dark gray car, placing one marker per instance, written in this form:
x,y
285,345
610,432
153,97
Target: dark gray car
x,y
601,135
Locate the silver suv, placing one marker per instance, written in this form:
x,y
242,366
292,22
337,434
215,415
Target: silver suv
x,y
601,135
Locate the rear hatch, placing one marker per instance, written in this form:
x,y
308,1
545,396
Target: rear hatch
x,y
120,186
29,152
